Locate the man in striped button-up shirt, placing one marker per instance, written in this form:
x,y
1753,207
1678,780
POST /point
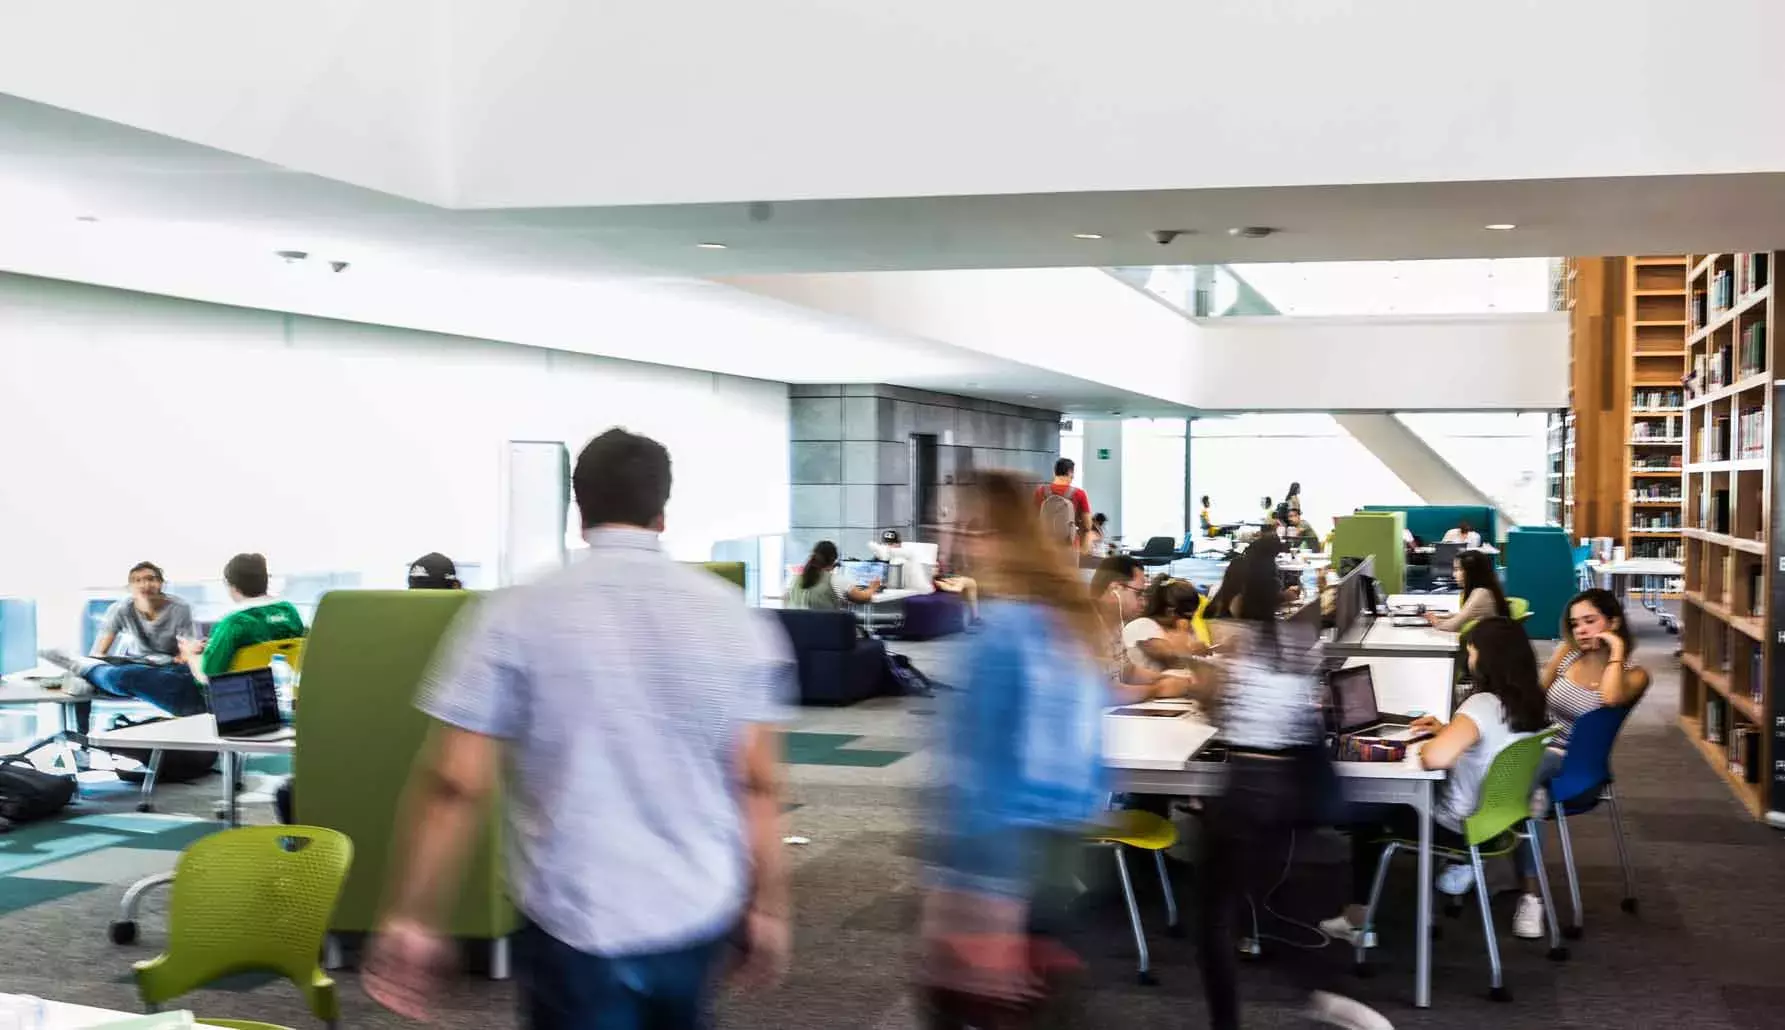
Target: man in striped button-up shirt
x,y
635,697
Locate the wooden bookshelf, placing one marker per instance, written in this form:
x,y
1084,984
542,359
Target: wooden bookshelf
x,y
1730,497
1591,463
1651,340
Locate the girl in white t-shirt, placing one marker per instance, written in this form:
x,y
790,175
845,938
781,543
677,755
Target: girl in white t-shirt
x,y
1165,637
1506,705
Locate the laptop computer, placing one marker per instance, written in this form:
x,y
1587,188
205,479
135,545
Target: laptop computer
x,y
1352,708
246,704
861,573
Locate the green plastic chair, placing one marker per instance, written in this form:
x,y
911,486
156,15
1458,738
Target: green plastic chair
x,y
1519,608
247,900
1499,823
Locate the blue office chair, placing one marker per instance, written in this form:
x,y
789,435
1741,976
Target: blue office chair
x,y
1583,782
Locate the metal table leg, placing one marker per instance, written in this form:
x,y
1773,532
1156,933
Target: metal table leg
x,y
231,810
1422,935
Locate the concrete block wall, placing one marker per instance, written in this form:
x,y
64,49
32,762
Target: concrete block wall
x,y
851,457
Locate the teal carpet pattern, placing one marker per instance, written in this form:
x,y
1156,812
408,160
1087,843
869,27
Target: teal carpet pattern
x,y
53,859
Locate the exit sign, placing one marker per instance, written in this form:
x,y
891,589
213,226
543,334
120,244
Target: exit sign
x,y
1103,454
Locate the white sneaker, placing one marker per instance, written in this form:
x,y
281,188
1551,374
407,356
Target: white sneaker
x,y
76,686
1338,1010
1341,929
1457,879
1527,920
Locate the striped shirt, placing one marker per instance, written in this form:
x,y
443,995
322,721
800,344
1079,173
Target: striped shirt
x,y
624,684
1569,700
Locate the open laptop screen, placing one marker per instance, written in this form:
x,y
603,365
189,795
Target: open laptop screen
x,y
244,701
861,573
1354,698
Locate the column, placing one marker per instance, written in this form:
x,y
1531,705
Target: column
x,y
1101,472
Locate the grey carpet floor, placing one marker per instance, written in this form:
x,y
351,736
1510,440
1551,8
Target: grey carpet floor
x,y
1704,951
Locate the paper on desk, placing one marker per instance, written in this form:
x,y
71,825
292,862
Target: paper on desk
x,y
180,1020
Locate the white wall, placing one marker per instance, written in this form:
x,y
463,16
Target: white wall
x,y
1384,363
140,427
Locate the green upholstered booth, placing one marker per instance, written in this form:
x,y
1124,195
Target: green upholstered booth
x,y
1430,522
732,571
1539,567
1377,533
358,735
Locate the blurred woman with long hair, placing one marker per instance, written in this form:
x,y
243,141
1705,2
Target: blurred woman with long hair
x,y
1022,766
1280,779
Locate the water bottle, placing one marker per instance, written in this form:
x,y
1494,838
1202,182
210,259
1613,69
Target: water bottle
x,y
283,680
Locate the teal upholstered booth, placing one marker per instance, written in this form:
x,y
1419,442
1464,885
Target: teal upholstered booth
x,y
1540,568
1430,522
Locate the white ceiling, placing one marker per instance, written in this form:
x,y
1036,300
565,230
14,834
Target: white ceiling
x,y
111,171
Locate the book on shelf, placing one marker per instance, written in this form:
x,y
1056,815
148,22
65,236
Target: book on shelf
x,y
1752,271
1713,719
1697,317
1756,677
1755,605
1722,290
1753,350
1652,399
1744,754
1751,433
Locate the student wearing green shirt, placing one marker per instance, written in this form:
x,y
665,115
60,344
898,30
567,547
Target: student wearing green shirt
x,y
256,619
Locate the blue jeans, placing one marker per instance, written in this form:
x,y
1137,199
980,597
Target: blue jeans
x,y
562,988
1522,856
170,688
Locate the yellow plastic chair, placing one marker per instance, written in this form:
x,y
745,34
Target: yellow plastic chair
x,y
1126,828
1518,608
255,899
259,656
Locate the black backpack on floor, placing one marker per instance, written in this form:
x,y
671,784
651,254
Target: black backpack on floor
x,y
27,793
176,766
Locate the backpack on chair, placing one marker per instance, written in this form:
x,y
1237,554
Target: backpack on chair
x,y
1059,521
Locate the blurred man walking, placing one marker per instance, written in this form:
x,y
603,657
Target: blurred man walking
x,y
644,811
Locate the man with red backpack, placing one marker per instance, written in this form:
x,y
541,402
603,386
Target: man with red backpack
x,y
1065,509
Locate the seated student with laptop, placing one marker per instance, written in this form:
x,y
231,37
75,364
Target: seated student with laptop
x,y
136,653
1506,704
256,619
1464,534
822,586
1483,596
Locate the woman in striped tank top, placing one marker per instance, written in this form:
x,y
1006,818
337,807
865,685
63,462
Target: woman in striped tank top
x,y
1590,669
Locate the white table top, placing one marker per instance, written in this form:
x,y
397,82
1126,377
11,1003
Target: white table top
x,y
1445,603
1413,639
62,1015
33,688
1638,567
1403,685
191,733
1148,742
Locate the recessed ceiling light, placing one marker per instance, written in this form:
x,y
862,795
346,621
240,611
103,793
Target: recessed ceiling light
x,y
1087,236
1500,226
710,246
86,218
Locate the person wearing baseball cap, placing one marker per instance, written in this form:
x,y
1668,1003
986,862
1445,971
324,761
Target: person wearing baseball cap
x,y
433,571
